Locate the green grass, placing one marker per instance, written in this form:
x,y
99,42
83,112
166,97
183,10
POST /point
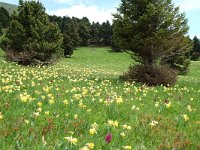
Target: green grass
x,y
99,58
40,107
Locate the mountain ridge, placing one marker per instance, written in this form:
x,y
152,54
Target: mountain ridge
x,y
9,7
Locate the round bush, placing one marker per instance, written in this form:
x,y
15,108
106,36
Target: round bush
x,y
151,76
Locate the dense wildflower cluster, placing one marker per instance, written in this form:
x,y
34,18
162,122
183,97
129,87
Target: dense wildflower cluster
x,y
82,108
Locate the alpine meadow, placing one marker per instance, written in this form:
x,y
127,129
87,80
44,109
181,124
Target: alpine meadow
x,y
68,83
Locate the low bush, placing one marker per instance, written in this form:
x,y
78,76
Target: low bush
x,y
25,58
161,75
195,56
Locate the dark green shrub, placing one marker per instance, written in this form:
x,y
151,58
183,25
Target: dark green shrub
x,y
1,30
195,56
195,53
4,43
161,75
116,48
4,17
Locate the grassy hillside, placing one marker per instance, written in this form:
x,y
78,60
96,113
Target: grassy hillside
x,y
78,102
9,7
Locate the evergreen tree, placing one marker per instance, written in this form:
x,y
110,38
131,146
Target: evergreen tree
x,y
1,30
4,17
84,31
71,37
149,30
32,34
106,33
58,20
179,59
195,54
95,35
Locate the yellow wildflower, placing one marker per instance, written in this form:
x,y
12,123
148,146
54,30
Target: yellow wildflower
x,y
189,108
94,125
157,104
92,131
113,123
46,112
65,102
39,104
75,116
1,116
71,140
185,117
26,121
153,123
168,105
90,145
51,101
127,147
39,109
110,122
126,127
119,100
122,134
84,148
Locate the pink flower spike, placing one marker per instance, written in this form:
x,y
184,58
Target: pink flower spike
x,y
108,138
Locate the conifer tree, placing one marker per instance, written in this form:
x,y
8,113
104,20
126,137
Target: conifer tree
x,y
149,29
195,54
4,17
106,33
1,30
71,37
84,31
32,34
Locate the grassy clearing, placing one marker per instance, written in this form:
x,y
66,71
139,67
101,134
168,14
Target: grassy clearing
x,y
75,103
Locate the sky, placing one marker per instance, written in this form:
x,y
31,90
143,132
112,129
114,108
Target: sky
x,y
101,10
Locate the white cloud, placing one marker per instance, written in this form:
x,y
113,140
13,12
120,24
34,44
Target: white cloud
x,y
188,5
74,2
91,12
62,1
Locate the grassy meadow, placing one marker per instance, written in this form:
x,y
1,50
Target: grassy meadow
x,y
80,101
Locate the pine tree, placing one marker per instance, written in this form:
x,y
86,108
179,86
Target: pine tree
x,y
32,34
4,17
95,36
195,54
1,30
84,31
71,37
179,59
106,33
149,30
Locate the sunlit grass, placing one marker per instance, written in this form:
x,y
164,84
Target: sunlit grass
x,y
76,103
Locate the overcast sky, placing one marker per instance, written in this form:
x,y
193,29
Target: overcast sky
x,y
100,10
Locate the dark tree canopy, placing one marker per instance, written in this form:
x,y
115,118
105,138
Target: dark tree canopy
x,y
95,38
31,33
1,29
86,33
179,59
71,37
195,54
106,33
4,17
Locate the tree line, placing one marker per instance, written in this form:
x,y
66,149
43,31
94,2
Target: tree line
x,y
76,32
80,32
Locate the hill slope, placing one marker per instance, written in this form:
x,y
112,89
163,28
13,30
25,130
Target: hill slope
x,y
9,7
